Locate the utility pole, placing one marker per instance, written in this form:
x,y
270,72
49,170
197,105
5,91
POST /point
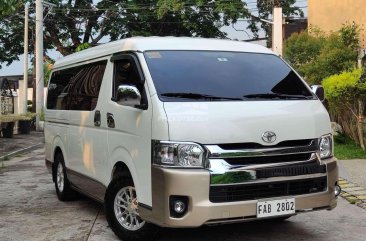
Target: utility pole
x,y
277,40
25,76
39,62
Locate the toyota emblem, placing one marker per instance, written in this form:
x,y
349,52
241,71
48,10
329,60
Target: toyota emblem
x,y
268,136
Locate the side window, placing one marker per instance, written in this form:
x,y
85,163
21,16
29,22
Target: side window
x,y
127,86
76,88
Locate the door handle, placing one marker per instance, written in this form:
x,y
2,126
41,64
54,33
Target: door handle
x,y
110,120
97,118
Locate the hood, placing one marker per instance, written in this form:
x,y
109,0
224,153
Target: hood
x,y
246,121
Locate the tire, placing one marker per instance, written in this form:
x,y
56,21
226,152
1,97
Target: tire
x,y
125,222
62,184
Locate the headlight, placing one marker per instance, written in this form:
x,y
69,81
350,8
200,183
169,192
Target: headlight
x,y
179,154
326,146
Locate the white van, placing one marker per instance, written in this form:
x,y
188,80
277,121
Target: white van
x,y
184,132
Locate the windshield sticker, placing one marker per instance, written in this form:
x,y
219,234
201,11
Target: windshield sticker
x,y
222,59
153,55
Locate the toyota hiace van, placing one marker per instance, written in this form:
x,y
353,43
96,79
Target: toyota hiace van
x,y
184,132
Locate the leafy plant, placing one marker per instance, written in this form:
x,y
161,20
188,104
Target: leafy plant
x,y
346,94
42,115
316,55
17,117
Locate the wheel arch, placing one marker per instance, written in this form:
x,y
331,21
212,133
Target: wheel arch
x,y
122,163
58,147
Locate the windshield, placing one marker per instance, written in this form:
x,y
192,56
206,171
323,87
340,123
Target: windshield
x,y
223,76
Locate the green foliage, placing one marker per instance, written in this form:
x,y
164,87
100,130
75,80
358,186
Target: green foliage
x,y
310,47
76,25
345,148
8,7
317,56
82,47
346,95
42,115
350,35
11,30
344,86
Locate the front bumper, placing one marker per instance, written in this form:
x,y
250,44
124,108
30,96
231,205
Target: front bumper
x,y
195,185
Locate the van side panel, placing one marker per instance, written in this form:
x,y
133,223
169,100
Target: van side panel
x,y
56,125
130,142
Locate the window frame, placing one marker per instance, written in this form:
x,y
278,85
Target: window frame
x,y
140,74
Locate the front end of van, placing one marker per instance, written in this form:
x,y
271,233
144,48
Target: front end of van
x,y
202,182
248,142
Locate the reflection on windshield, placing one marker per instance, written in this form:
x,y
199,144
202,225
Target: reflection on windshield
x,y
220,76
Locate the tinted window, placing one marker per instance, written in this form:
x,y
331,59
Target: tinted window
x,y
76,88
125,74
231,75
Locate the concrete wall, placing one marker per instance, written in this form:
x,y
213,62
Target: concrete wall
x,y
329,15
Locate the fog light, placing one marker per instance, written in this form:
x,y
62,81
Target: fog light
x,y
337,190
178,206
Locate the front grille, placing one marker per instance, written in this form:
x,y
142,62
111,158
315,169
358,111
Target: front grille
x,y
243,192
268,159
253,145
294,170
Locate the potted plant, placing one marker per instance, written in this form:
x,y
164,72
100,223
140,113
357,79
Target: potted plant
x,y
7,124
8,130
25,122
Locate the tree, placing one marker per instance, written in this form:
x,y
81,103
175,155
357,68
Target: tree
x,y
11,27
265,8
75,25
8,6
317,56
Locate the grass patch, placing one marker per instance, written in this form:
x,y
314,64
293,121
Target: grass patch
x,y
345,148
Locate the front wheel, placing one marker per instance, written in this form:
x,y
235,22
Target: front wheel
x,y
121,207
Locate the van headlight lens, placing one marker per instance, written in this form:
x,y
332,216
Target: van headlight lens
x,y
178,154
326,146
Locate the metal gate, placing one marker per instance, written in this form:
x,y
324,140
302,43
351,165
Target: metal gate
x,y
6,98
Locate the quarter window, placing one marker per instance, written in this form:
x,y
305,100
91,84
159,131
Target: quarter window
x,y
76,88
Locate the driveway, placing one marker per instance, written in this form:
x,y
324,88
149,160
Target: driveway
x,y
30,210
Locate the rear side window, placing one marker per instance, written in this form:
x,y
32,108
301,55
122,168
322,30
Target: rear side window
x,y
76,88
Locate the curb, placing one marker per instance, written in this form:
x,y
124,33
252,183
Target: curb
x,y
353,193
20,151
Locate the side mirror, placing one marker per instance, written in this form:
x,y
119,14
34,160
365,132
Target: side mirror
x,y
128,95
318,90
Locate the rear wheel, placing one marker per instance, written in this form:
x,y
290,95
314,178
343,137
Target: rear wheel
x,y
62,184
121,207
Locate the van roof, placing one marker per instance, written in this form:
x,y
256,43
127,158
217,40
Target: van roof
x,y
142,44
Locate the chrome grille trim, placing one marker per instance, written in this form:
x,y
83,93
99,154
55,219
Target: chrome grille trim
x,y
279,164
241,165
216,152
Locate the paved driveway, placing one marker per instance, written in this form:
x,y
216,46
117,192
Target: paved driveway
x,y
30,210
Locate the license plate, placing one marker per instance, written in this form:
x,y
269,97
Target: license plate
x,y
275,207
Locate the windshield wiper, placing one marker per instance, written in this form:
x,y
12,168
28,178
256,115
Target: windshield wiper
x,y
277,96
197,96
